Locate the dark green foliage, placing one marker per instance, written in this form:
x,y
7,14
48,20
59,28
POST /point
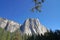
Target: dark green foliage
x,y
8,36
47,36
5,35
38,5
16,36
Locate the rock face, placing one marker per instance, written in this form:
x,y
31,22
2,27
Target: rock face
x,y
12,26
3,22
9,25
29,27
33,26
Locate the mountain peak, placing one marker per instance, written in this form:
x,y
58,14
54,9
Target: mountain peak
x,y
9,25
33,26
29,27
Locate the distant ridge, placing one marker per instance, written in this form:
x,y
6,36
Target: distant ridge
x,y
29,27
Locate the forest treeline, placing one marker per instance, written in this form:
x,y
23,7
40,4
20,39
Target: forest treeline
x,y
6,35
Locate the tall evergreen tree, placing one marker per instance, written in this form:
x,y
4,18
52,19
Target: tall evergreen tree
x,y
8,36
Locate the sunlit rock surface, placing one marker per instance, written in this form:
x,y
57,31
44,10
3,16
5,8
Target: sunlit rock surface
x,y
29,27
33,26
9,25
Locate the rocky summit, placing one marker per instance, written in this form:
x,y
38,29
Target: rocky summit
x,y
33,26
29,27
9,25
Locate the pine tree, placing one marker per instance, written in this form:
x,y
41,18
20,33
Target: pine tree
x,y
16,36
3,35
8,36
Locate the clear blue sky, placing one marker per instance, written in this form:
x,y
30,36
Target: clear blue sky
x,y
19,11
